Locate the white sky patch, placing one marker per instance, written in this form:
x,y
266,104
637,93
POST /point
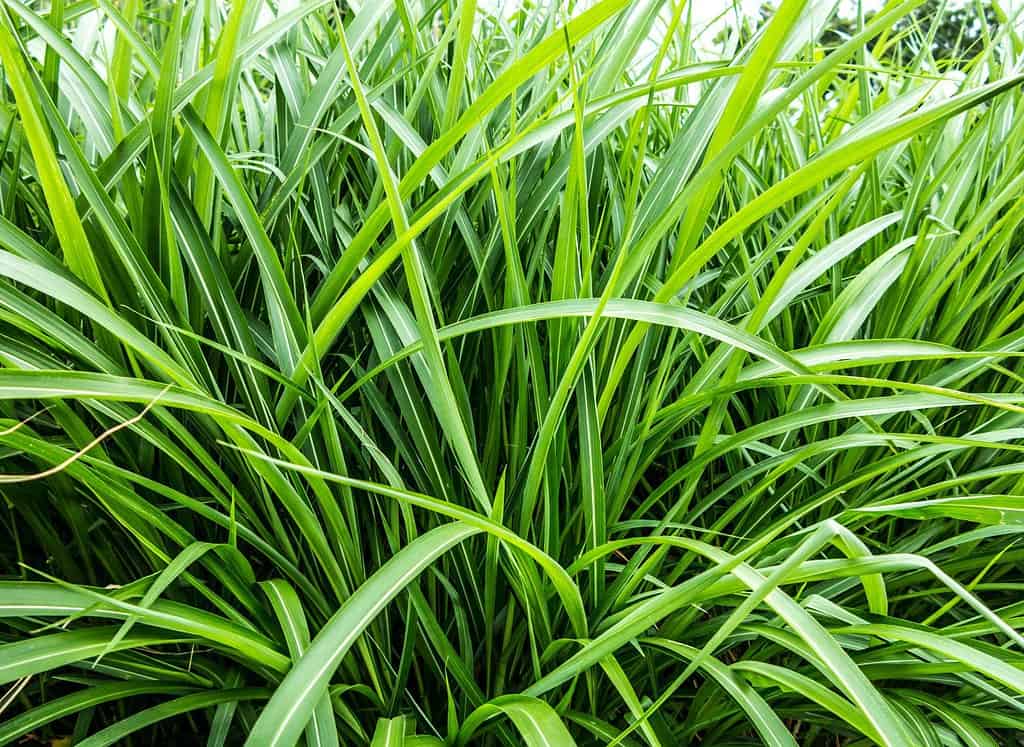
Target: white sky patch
x,y
706,11
710,16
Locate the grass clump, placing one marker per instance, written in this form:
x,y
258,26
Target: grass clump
x,y
398,372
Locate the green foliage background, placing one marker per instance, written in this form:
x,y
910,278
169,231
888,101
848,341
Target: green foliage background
x,y
398,373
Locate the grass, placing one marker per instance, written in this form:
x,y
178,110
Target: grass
x,y
398,373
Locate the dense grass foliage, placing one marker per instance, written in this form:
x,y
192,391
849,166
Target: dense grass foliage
x,y
397,372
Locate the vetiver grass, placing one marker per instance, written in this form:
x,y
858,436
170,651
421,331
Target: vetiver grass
x,y
396,372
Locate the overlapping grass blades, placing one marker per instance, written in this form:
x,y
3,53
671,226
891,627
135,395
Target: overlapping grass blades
x,y
399,373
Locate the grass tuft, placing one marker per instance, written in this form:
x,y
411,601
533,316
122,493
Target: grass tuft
x,y
400,373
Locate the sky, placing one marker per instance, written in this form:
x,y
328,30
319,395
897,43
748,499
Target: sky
x,y
708,15
707,11
711,8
